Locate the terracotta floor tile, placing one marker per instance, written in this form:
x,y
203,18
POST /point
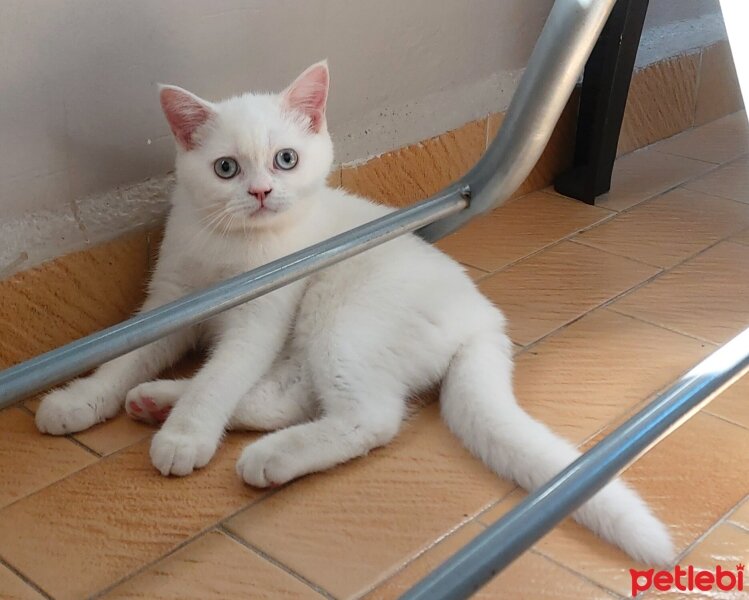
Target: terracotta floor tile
x,y
733,404
213,566
29,460
646,173
519,228
403,176
113,435
118,515
668,229
741,515
353,526
742,238
705,296
717,142
13,587
726,546
531,576
552,288
729,181
475,273
580,378
686,481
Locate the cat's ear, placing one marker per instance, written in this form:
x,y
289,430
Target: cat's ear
x,y
185,113
309,94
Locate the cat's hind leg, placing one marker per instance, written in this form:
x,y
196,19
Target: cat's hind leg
x,y
355,419
283,397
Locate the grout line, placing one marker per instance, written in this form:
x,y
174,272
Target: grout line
x,y
738,505
548,246
632,290
739,526
22,405
255,550
697,86
591,246
188,540
80,444
718,196
387,576
75,472
707,411
602,306
681,184
430,546
481,514
579,575
701,538
666,327
24,578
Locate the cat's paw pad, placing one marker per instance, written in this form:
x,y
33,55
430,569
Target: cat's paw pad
x,y
263,464
148,409
72,409
176,453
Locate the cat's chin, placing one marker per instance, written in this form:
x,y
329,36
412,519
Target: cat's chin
x,y
263,218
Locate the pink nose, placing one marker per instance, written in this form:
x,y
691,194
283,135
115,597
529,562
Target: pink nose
x,y
259,194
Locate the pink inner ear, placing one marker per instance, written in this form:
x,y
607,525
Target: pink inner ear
x,y
309,94
185,113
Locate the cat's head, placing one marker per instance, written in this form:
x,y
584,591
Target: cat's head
x,y
248,160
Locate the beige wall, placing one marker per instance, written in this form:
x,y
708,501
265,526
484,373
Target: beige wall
x,y
79,113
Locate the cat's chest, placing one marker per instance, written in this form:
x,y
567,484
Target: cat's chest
x,y
202,271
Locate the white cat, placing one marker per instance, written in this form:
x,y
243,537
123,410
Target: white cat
x,y
328,362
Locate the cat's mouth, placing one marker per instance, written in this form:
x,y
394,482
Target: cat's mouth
x,y
262,210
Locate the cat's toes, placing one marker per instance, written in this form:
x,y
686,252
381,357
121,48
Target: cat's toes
x,y
264,464
72,409
142,406
176,453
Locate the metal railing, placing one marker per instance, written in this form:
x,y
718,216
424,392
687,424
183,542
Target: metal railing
x,y
566,41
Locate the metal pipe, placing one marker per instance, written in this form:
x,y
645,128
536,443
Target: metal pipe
x,y
560,54
494,549
558,59
77,357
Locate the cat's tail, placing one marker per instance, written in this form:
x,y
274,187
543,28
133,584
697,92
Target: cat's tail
x,y
478,405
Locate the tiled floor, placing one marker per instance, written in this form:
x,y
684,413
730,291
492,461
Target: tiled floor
x,y
607,305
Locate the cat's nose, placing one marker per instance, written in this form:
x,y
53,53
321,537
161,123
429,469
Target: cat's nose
x,y
259,193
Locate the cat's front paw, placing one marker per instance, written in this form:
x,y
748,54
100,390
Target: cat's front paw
x,y
74,408
178,453
265,464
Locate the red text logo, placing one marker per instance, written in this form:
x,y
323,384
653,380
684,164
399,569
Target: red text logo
x,y
688,579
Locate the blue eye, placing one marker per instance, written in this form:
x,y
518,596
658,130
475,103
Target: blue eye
x,y
226,167
286,159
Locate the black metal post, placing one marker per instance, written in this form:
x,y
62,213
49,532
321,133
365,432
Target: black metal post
x,y
605,87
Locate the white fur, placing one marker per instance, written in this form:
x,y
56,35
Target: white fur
x,y
364,335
